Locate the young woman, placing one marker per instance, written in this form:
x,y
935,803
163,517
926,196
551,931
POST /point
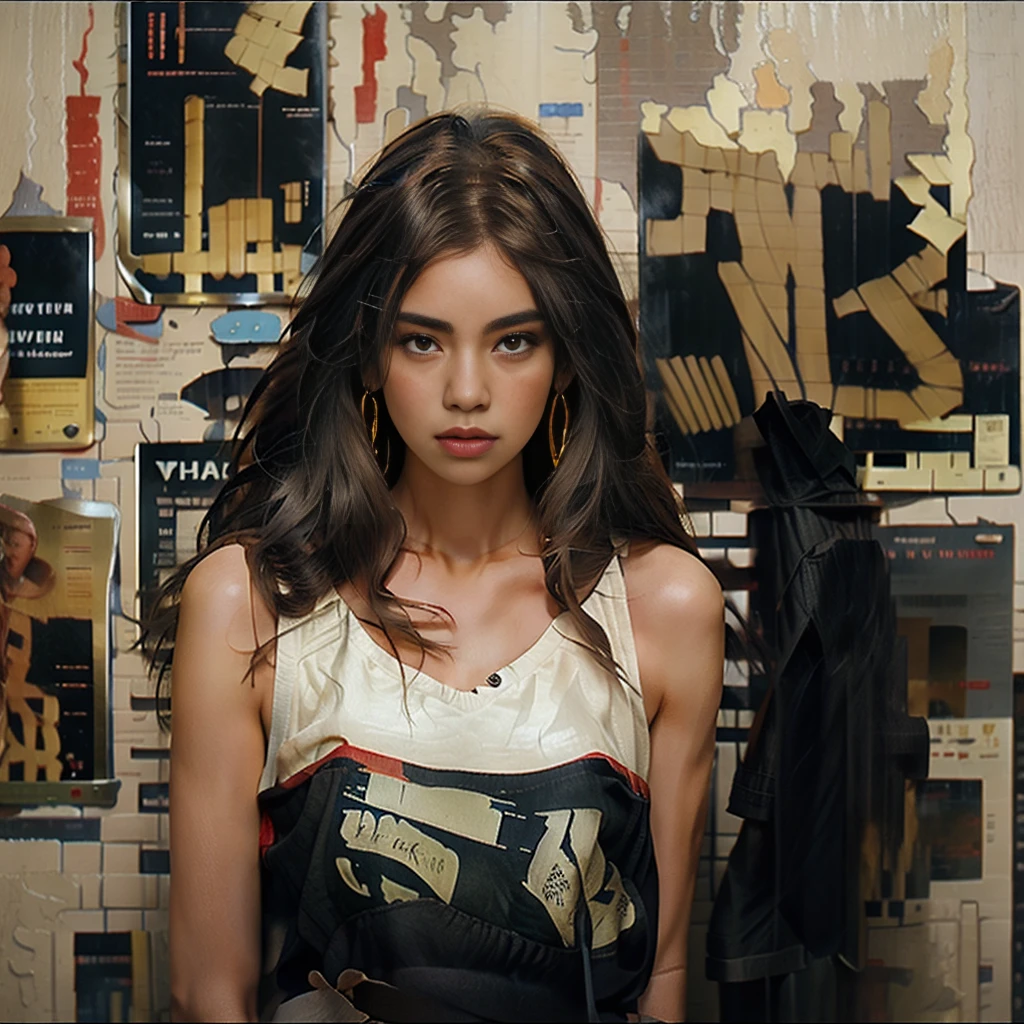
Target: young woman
x,y
482,662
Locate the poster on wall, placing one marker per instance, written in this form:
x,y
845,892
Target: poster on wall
x,y
831,266
1018,844
176,483
47,396
953,588
943,938
221,149
112,981
58,561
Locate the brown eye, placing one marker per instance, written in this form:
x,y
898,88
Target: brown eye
x,y
516,344
420,344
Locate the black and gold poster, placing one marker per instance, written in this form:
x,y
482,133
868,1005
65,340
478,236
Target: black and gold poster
x,y
837,275
221,149
48,399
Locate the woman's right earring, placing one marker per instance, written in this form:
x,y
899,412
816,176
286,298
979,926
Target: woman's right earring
x,y
372,428
557,455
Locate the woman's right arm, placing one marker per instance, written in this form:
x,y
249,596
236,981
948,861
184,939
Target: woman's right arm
x,y
217,752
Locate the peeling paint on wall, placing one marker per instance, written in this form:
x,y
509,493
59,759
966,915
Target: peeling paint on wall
x,y
374,50
27,200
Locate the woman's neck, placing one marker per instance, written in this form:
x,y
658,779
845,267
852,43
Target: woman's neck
x,y
463,525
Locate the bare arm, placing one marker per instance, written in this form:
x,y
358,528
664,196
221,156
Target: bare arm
x,y
680,626
217,751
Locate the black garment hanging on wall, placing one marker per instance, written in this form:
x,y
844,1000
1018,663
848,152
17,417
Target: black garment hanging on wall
x,y
831,744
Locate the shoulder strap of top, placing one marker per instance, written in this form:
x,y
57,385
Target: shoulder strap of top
x,y
285,671
610,606
296,638
611,592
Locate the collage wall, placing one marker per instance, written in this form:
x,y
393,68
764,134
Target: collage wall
x,y
817,197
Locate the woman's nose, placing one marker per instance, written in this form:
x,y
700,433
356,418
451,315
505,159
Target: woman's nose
x,y
466,388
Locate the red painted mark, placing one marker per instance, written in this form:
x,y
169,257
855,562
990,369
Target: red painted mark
x,y
374,49
79,65
129,312
84,150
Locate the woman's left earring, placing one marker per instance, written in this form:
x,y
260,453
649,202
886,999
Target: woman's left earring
x,y
556,454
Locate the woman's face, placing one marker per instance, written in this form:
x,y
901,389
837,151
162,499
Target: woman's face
x,y
472,365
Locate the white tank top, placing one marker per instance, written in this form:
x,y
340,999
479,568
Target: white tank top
x,y
554,704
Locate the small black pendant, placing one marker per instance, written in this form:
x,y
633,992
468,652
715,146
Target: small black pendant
x,y
494,679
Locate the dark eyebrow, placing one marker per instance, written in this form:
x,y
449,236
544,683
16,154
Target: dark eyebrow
x,y
526,316
418,320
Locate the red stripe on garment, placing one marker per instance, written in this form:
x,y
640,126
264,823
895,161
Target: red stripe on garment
x,y
381,764
636,783
266,833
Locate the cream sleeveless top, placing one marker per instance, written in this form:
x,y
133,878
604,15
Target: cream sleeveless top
x,y
552,705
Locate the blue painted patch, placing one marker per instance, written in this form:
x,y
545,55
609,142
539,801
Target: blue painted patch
x,y
80,469
561,110
101,356
246,326
28,201
107,316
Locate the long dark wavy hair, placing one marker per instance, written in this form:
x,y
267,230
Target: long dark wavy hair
x,y
306,495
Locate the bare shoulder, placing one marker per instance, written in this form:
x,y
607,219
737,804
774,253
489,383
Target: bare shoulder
x,y
220,582
667,585
222,622
678,614
220,599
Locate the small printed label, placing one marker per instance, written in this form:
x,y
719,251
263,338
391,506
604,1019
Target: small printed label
x,y
991,441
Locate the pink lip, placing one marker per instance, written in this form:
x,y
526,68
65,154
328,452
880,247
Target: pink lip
x,y
466,447
470,432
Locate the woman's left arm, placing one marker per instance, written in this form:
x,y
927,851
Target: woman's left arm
x,y
679,622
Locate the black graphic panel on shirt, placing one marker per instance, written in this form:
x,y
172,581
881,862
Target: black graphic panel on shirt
x,y
520,851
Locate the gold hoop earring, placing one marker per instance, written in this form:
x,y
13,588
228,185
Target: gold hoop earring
x,y
557,455
373,431
373,426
